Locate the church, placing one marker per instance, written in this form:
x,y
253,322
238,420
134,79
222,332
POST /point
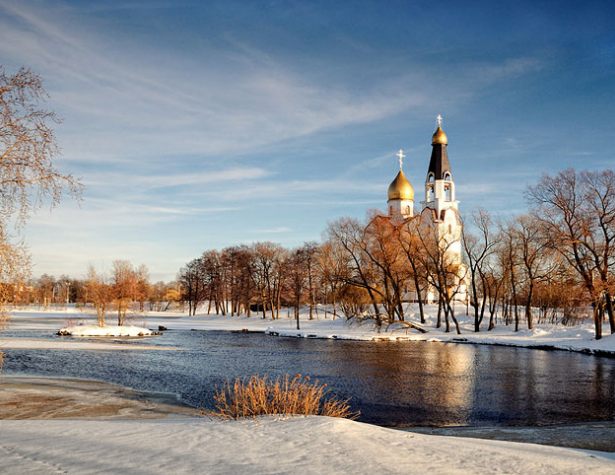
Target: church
x,y
440,209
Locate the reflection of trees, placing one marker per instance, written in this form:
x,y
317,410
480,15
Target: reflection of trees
x,y
420,383
437,384
545,387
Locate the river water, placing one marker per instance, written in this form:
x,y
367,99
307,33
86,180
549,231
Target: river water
x,y
391,383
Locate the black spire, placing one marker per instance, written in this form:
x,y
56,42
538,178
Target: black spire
x,y
439,165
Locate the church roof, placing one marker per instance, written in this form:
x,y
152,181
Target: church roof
x,y
439,165
400,188
439,137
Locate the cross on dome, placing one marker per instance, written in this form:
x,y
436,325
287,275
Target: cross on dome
x,y
439,119
401,157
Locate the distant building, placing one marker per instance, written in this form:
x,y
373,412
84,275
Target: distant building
x,y
439,209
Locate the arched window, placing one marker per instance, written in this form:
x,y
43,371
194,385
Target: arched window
x,y
447,192
430,178
430,192
390,211
447,176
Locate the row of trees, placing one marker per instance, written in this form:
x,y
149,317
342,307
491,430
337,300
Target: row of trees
x,y
553,264
558,260
123,288
263,276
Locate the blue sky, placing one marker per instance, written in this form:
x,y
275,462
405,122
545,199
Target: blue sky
x,y
198,125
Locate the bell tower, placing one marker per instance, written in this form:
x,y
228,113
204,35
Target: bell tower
x,y
439,185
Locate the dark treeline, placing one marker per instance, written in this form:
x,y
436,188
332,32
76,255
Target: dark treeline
x,y
554,264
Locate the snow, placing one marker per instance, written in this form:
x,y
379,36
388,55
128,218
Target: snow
x,y
312,445
34,344
272,445
105,330
579,337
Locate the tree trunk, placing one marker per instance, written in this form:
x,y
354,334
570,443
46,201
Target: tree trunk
x,y
598,320
452,313
417,288
528,308
610,311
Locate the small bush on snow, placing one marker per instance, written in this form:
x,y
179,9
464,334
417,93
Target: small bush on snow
x,y
260,395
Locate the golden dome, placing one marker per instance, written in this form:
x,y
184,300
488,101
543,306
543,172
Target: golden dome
x,y
439,137
400,188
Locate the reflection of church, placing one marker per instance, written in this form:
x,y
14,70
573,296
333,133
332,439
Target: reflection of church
x,y
440,208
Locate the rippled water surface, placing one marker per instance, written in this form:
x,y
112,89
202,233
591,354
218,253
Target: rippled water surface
x,y
403,383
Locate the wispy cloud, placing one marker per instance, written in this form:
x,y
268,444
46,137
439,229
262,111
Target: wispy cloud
x,y
278,230
230,103
148,181
186,139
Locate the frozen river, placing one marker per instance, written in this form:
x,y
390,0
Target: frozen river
x,y
402,384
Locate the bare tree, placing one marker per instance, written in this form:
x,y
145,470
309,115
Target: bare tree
x,y
509,261
350,235
297,279
383,252
27,174
142,289
333,268
98,292
410,243
124,282
478,249
577,211
267,272
444,274
45,290
193,286
535,259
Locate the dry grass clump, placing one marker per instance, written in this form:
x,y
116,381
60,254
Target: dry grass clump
x,y
259,395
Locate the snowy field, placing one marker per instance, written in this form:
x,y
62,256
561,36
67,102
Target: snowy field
x,y
312,445
296,445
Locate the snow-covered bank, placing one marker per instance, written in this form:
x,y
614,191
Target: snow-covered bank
x,y
573,338
36,344
557,338
105,330
313,445
27,397
544,336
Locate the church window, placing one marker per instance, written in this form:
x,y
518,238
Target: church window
x,y
447,177
407,209
430,178
450,229
430,193
390,210
447,193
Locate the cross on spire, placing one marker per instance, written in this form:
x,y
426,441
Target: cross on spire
x,y
439,119
401,157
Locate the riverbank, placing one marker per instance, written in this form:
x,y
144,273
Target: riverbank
x,y
24,397
35,398
578,338
312,445
598,435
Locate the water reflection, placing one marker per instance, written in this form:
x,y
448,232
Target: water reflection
x,y
391,383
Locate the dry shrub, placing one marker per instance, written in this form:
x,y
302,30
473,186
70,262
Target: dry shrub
x,y
260,395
